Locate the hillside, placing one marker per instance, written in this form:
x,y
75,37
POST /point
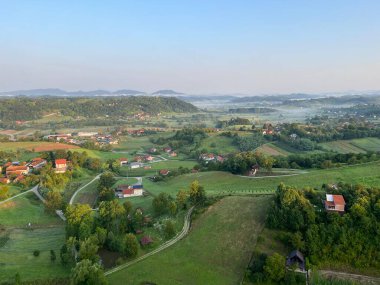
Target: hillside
x,y
21,108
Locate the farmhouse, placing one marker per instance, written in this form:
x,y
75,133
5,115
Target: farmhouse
x,y
173,154
135,165
148,158
4,180
123,161
335,203
167,149
207,157
60,165
124,191
37,163
17,170
164,172
138,158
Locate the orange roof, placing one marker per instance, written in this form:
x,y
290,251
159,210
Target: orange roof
x,y
15,168
60,161
339,200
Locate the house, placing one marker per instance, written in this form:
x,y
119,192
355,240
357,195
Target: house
x,y
167,149
124,191
19,178
173,154
123,161
164,172
37,163
153,150
148,158
17,170
219,158
135,165
207,157
138,159
60,165
254,170
4,180
335,203
296,259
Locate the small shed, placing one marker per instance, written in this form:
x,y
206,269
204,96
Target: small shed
x,y
295,258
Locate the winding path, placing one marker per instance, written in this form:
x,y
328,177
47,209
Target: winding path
x,y
23,193
178,237
81,188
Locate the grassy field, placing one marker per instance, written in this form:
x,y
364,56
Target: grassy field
x,y
342,147
222,183
17,242
216,251
35,146
218,144
368,144
272,149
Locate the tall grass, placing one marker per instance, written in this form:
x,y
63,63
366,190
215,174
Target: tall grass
x,y
319,280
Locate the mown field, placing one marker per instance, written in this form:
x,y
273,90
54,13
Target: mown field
x,y
216,251
17,241
353,146
223,183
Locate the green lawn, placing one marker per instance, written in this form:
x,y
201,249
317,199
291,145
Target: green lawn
x,y
222,183
216,251
17,243
218,144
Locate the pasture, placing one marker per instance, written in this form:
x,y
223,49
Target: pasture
x,y
216,251
17,241
223,183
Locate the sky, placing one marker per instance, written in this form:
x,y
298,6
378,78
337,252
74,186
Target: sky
x,y
192,46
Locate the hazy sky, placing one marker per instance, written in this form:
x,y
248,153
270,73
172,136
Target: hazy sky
x,y
192,46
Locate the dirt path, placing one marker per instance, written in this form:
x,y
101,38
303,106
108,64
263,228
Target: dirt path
x,y
81,188
15,196
178,237
363,279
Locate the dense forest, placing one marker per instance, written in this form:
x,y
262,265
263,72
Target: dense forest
x,y
22,108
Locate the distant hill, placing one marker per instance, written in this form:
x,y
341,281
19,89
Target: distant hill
x,y
30,108
167,92
64,93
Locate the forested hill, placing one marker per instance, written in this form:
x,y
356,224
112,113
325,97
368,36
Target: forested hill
x,y
22,108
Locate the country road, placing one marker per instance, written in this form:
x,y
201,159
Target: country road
x,y
178,237
80,189
23,193
363,279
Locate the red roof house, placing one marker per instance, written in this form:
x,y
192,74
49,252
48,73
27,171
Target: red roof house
x,y
60,165
335,203
17,170
164,172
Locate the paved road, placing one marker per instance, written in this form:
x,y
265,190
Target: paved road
x,y
80,189
178,237
15,196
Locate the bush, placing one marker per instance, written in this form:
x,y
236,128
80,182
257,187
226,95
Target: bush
x,y
36,253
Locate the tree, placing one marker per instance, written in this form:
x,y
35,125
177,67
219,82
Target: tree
x,y
4,192
127,207
17,279
181,198
161,204
87,273
110,214
106,180
169,230
75,216
88,250
53,257
197,193
54,201
274,267
131,245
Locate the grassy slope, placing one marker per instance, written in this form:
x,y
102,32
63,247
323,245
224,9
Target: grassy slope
x,y
16,255
215,252
342,147
224,183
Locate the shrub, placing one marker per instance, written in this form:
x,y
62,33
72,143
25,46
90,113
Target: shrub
x,y
36,253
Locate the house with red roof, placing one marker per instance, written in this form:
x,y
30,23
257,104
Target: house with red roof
x,y
37,163
4,180
60,165
17,170
124,191
164,172
335,203
123,161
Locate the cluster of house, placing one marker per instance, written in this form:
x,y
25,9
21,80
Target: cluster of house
x,y
125,190
16,171
80,138
207,157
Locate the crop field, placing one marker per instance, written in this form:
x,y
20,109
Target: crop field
x,y
342,147
368,144
17,242
216,251
35,146
272,149
223,183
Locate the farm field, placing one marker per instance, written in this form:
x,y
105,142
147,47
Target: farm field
x,y
368,144
35,146
216,250
17,242
272,149
342,147
223,183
